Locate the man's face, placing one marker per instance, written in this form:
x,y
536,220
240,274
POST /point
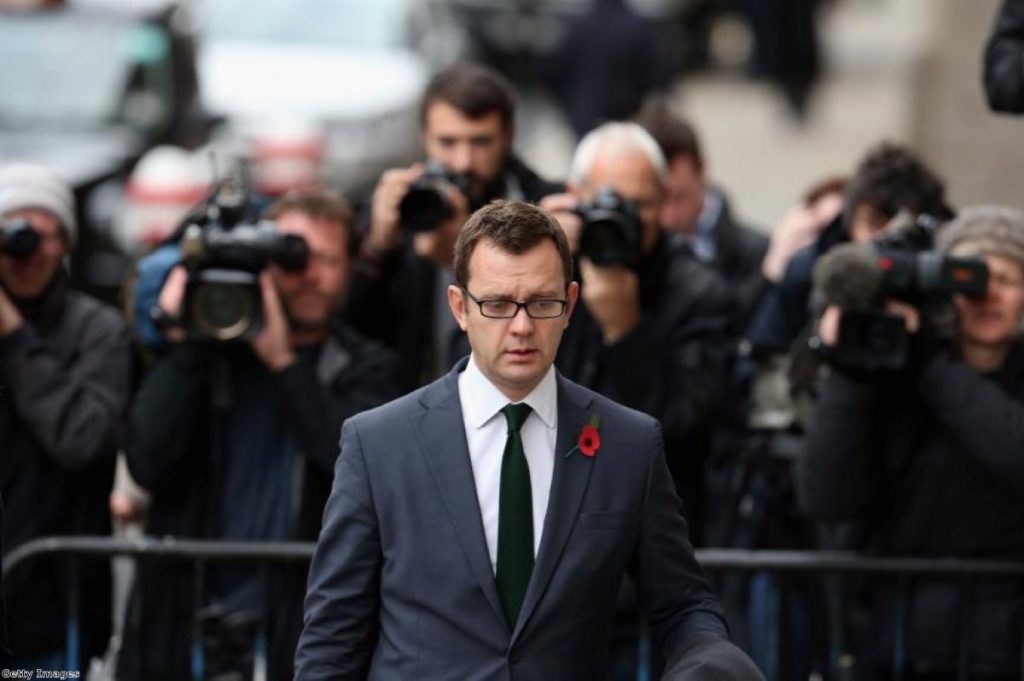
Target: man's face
x,y
476,147
868,223
312,296
515,353
684,197
28,279
994,320
630,174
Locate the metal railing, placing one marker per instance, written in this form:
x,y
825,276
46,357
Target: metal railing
x,y
201,552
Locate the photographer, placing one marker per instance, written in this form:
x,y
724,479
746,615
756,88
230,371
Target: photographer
x,y
237,440
404,267
926,458
654,329
889,178
65,380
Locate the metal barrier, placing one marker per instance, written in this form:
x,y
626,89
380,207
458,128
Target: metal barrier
x,y
712,560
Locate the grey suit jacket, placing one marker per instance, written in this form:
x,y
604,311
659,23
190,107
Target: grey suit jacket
x,y
401,585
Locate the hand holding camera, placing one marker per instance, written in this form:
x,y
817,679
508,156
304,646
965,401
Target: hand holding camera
x,y
612,296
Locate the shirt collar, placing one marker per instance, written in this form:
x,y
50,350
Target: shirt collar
x,y
488,401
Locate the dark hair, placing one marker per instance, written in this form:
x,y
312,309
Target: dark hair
x,y
892,178
473,89
318,204
836,184
674,135
514,227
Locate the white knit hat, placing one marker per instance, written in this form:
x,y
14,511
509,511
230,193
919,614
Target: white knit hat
x,y
29,185
985,230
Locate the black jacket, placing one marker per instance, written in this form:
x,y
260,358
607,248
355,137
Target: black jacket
x,y
739,251
5,653
65,382
394,300
169,453
674,366
1004,60
929,463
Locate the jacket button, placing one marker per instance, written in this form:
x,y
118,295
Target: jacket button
x,y
515,657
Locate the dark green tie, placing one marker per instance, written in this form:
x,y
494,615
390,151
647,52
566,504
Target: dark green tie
x,y
515,518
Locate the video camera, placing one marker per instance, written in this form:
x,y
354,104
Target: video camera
x,y
611,230
18,239
903,265
426,206
224,252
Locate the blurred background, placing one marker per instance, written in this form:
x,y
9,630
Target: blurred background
x,y
331,88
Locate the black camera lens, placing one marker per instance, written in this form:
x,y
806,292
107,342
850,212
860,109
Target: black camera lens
x,y
425,207
223,311
18,239
611,230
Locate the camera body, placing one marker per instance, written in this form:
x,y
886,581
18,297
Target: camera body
x,y
907,268
18,239
611,230
224,255
425,207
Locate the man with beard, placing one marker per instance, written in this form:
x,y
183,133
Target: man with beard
x,y
238,442
404,266
65,382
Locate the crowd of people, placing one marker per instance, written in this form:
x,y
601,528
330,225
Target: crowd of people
x,y
906,402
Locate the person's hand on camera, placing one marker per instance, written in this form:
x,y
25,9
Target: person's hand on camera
x,y
386,225
438,245
612,296
10,318
563,208
273,343
171,302
831,318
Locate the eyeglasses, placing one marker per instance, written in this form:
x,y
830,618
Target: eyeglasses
x,y
507,309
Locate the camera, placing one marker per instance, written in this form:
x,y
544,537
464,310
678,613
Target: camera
x,y
426,206
902,265
224,253
611,230
18,239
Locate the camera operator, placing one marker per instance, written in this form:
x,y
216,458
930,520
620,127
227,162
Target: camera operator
x,y
65,381
654,329
926,458
404,267
889,178
237,440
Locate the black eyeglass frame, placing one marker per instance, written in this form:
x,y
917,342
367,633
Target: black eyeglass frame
x,y
564,303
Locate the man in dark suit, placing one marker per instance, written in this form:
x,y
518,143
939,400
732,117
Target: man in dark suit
x,y
480,527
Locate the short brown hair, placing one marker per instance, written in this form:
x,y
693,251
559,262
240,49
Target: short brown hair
x,y
475,90
674,135
514,227
316,204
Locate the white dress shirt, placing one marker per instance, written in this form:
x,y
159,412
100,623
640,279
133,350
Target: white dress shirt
x,y
486,432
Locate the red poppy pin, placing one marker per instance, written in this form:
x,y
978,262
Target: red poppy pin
x,y
590,439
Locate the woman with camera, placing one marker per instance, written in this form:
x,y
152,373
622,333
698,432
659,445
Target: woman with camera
x,y
929,461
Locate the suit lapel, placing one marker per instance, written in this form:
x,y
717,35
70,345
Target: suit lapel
x,y
442,436
568,484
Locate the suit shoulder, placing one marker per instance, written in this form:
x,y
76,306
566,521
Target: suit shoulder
x,y
613,413
384,417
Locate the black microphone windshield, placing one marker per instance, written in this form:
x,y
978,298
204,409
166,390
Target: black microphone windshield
x,y
848,276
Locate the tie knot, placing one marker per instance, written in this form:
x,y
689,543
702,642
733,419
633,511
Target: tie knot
x,y
515,414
